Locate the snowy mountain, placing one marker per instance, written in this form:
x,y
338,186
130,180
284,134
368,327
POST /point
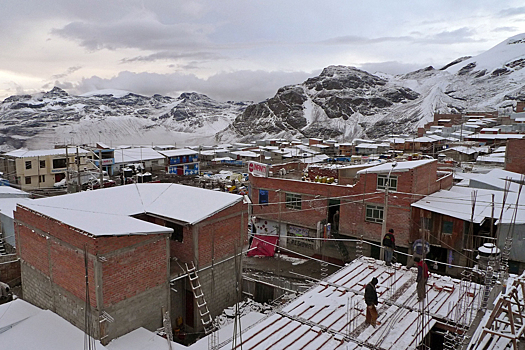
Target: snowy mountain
x,y
342,103
345,102
118,117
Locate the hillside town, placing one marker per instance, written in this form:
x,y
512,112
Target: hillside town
x,y
274,243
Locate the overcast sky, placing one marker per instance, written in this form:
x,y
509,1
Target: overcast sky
x,y
234,49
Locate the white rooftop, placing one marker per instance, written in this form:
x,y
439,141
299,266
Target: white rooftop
x,y
178,152
27,327
457,203
133,155
108,211
331,315
399,166
24,153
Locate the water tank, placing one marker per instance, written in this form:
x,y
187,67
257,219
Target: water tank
x,y
489,252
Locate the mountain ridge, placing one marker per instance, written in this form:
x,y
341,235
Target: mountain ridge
x,y
342,102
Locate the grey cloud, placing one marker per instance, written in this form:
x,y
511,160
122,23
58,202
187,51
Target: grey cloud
x,y
359,40
505,29
238,86
69,71
145,33
461,35
171,55
513,11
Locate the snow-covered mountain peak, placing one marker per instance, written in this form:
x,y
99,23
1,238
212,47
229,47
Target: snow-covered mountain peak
x,y
504,58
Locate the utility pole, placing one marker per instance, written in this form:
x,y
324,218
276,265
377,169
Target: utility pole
x,y
100,168
79,185
67,170
385,213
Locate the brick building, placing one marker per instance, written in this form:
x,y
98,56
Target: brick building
x,y
514,156
137,238
292,206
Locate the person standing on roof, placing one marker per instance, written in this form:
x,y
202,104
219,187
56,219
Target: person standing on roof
x,y
371,302
421,279
389,244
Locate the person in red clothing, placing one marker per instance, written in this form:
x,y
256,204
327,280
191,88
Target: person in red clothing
x,y
421,279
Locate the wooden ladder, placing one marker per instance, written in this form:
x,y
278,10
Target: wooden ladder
x,y
202,306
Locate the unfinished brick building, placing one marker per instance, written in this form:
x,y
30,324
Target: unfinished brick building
x,y
136,237
294,207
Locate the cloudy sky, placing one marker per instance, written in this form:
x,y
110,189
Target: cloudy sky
x,y
234,49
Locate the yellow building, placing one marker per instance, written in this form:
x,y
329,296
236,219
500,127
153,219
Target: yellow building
x,y
43,168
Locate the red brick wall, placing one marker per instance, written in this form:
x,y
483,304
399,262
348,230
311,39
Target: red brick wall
x,y
225,225
314,171
62,264
68,271
61,257
134,271
411,187
514,156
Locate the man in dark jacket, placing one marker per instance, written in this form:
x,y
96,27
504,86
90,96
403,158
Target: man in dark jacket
x,y
371,302
389,244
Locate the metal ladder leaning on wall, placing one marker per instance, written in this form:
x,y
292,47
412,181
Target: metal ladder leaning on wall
x,y
202,306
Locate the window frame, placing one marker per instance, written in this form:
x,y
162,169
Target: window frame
x,y
29,164
41,178
383,179
27,180
375,207
293,200
267,196
56,160
449,223
42,162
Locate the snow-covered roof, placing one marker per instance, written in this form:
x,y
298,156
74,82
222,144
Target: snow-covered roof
x,y
26,327
496,136
331,315
462,149
245,154
178,152
491,129
491,159
133,155
8,205
108,211
423,139
457,203
398,167
24,153
366,145
315,159
10,192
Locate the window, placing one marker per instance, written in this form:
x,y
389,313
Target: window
x,y
374,213
426,223
293,201
42,178
178,231
42,164
28,165
154,162
28,180
263,197
59,163
447,227
382,181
